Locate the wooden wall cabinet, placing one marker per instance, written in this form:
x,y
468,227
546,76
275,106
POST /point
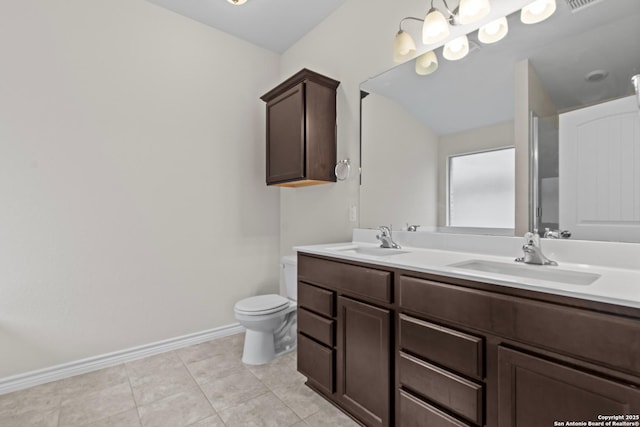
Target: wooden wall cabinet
x,y
301,130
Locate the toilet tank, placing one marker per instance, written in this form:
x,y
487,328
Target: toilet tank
x,y
290,273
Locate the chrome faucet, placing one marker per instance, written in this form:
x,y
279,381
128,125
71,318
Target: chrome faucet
x,y
386,241
556,234
532,251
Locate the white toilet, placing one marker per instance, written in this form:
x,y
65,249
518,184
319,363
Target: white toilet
x,y
270,320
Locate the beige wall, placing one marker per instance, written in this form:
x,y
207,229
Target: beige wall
x,y
131,178
472,141
399,172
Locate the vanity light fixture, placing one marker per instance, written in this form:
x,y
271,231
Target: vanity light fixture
x,y
403,46
537,11
456,49
493,31
237,2
435,28
436,24
426,63
471,11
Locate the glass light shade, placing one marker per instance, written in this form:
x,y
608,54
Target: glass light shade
x,y
494,31
537,11
473,10
435,27
456,49
237,2
403,47
426,63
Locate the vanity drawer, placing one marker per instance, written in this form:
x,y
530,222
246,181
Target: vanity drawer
x,y
442,387
456,350
370,283
316,362
413,412
316,327
316,299
572,331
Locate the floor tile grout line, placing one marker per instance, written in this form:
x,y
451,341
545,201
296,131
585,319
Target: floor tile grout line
x,y
208,401
271,389
133,395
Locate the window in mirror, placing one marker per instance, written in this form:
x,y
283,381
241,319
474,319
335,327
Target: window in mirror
x,y
481,189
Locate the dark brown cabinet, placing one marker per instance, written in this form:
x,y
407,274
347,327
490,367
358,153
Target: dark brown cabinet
x,y
301,130
344,330
535,362
394,347
316,336
535,392
364,360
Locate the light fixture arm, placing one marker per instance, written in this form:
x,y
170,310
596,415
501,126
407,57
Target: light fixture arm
x,y
408,17
453,14
446,6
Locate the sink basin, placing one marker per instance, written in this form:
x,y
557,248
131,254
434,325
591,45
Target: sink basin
x,y
369,250
548,273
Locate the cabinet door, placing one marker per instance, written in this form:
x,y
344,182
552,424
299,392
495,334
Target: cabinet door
x,y
286,136
535,392
363,368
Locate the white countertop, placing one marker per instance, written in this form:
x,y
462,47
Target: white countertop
x,y
618,286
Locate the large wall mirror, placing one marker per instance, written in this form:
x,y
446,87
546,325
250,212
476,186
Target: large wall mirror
x,y
540,130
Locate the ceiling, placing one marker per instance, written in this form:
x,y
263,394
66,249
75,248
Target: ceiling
x,y
271,24
479,90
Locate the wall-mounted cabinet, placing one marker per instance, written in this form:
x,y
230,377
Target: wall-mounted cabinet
x,y
301,130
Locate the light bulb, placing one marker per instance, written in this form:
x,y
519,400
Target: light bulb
x,y
435,27
537,11
237,2
426,63
403,47
473,10
456,49
493,31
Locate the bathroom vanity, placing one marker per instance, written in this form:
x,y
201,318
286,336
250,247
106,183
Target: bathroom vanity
x,y
395,345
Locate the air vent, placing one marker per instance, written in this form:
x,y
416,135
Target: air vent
x,y
578,5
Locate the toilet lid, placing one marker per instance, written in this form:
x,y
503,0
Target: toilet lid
x,y
262,304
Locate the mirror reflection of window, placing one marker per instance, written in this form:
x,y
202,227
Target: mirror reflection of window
x,y
481,189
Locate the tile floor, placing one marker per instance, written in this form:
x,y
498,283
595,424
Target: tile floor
x,y
203,385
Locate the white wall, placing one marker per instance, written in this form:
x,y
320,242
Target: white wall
x,y
133,205
400,164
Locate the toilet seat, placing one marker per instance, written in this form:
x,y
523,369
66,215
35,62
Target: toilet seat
x,y
261,305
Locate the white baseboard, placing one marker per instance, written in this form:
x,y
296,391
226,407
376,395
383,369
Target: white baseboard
x,y
65,370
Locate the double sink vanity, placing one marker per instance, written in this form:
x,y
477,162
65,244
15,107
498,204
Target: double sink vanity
x,y
438,333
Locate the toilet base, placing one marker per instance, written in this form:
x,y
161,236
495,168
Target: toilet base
x,y
259,348
262,345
